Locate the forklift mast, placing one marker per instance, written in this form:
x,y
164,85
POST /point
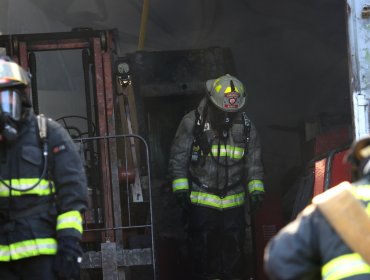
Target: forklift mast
x,y
116,214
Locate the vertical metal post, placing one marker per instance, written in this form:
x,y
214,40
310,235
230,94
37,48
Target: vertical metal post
x,y
103,131
143,24
33,70
109,261
358,20
109,98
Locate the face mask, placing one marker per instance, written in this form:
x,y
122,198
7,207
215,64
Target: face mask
x,y
220,120
10,112
10,103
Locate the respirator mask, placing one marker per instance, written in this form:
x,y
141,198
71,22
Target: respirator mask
x,y
221,120
10,112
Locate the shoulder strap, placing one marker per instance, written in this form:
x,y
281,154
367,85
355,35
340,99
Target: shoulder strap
x,y
200,121
41,121
348,217
247,128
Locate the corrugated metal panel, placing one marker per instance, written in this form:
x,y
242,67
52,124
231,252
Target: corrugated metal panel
x,y
359,52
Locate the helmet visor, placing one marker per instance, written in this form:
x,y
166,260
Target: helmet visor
x,y
11,103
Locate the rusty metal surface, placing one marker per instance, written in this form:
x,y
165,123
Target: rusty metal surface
x,y
109,261
103,147
110,118
53,41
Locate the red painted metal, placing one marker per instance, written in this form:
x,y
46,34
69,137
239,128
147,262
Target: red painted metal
x,y
330,140
109,107
103,130
331,169
23,54
60,45
319,182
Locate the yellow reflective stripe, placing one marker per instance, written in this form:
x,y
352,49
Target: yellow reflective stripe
x,y
345,266
28,248
218,88
228,150
41,189
228,89
256,185
361,192
70,219
215,201
180,184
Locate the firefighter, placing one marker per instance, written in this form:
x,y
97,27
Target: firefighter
x,y
215,160
43,188
327,240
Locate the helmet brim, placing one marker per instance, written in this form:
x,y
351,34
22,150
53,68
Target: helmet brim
x,y
209,84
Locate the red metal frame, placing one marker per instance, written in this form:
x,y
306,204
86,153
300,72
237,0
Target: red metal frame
x,y
331,169
100,44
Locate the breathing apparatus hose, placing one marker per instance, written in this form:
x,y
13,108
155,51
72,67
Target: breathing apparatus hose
x,y
45,156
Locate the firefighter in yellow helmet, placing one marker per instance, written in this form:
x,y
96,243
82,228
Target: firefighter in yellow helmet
x,y
42,188
324,242
215,164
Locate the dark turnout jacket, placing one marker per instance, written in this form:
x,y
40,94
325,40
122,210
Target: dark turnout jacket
x,y
34,212
310,248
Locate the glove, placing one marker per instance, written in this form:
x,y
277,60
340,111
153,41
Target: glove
x,y
184,200
68,258
256,200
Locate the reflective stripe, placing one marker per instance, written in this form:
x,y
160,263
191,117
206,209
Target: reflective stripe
x,y
218,88
28,248
361,192
230,151
345,266
70,219
215,201
256,185
41,189
228,89
180,184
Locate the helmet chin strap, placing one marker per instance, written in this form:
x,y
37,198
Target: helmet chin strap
x,y
10,133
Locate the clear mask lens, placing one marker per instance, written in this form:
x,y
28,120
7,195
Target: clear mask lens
x,y
10,103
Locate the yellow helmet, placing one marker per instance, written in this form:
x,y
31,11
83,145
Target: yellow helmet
x,y
12,75
227,93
